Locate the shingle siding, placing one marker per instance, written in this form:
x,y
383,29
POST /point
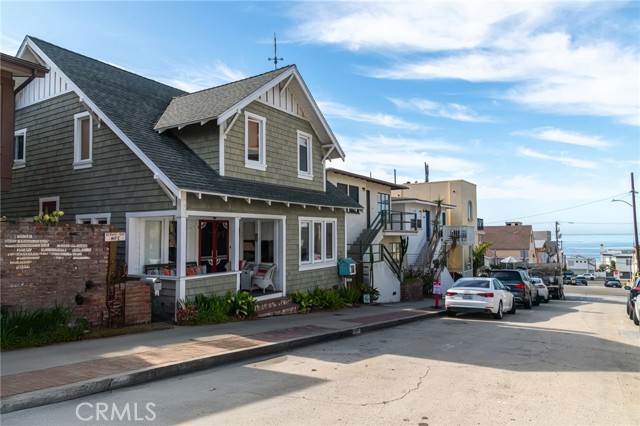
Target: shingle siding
x,y
203,140
118,182
281,149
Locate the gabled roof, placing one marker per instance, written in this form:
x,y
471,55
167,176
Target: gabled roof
x,y
131,105
508,237
222,102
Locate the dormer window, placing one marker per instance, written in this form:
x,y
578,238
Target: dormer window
x,y
20,148
255,149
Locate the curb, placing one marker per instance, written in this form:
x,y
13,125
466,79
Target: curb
x,y
81,389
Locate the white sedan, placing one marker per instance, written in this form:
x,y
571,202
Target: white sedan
x,y
543,291
479,294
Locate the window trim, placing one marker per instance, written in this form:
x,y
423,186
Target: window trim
x,y
94,218
309,139
78,161
20,163
312,263
43,200
261,164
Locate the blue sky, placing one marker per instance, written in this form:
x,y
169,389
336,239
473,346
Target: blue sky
x,y
535,102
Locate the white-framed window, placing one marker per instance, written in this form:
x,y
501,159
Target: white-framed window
x,y
254,141
305,166
317,241
20,148
94,219
49,204
82,140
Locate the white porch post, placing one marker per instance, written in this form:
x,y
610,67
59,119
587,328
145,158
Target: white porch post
x,y
181,248
235,255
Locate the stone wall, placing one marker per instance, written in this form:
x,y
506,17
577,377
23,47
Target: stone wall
x,y
65,265
411,291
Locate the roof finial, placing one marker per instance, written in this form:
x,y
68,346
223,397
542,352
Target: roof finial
x,y
275,58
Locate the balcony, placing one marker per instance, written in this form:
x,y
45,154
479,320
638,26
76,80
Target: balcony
x,y
480,224
462,234
399,222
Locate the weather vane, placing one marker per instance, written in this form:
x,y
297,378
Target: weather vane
x,y
275,58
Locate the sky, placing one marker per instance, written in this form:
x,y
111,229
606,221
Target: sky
x,y
535,102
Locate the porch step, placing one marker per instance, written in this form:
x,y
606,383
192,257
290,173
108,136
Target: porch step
x,y
274,307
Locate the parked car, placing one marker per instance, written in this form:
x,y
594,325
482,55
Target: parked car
x,y
580,281
633,293
636,313
567,276
613,283
519,283
590,276
479,294
543,291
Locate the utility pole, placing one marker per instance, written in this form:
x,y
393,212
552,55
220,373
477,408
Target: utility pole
x,y
635,223
558,235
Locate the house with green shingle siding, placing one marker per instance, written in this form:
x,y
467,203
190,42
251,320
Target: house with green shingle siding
x,y
208,186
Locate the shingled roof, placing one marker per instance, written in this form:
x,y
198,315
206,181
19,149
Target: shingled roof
x,y
209,104
508,237
131,105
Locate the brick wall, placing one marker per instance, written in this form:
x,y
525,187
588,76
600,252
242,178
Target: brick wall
x,y
66,265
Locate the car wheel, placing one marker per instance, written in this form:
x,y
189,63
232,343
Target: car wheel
x,y
537,301
498,315
631,314
527,302
451,313
636,320
513,307
628,310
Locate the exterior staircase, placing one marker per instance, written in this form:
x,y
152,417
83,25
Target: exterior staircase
x,y
276,307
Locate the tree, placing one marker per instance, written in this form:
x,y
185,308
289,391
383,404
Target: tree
x,y
478,256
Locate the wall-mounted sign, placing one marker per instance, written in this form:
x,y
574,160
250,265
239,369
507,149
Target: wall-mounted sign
x,y
115,236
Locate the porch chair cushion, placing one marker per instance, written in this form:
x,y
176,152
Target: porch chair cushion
x,y
263,277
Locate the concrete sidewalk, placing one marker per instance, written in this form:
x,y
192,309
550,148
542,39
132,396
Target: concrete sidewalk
x,y
41,376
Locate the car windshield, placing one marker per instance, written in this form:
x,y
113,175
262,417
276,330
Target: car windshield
x,y
472,283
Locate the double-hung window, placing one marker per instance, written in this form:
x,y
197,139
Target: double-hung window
x,y
82,141
317,241
254,141
305,169
20,148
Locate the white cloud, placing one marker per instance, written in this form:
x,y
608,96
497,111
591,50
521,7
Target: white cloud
x,y
563,136
521,43
381,155
203,77
571,162
452,111
333,109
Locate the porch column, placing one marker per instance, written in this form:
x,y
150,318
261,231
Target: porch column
x,y
181,247
235,255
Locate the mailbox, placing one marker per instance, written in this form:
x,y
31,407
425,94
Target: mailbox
x,y
346,267
154,283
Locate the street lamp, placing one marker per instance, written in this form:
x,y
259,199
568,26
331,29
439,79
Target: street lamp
x,y
635,222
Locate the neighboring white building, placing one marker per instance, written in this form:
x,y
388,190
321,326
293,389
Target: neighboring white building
x,y
425,212
623,260
581,265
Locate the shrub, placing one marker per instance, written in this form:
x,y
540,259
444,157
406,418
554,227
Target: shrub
x,y
350,294
303,299
39,328
241,304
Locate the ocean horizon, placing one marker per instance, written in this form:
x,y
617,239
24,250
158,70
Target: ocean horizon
x,y
589,245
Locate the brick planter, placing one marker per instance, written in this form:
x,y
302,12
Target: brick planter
x,y
411,290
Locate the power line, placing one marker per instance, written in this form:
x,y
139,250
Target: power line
x,y
565,209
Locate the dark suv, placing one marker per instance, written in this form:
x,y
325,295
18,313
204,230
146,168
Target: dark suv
x,y
520,284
